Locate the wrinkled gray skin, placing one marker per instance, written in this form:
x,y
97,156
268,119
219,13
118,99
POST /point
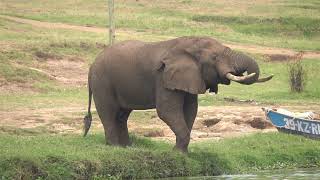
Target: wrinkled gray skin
x,y
166,75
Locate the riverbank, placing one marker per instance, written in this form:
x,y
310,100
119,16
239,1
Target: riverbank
x,y
71,156
47,48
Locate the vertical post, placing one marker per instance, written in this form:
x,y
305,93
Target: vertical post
x,y
111,22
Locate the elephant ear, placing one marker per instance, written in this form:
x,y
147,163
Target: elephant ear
x,y
182,73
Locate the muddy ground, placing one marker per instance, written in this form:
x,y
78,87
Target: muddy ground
x,y
212,122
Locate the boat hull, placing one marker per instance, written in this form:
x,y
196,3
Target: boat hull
x,y
293,125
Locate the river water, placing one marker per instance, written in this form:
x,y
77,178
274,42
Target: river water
x,y
305,174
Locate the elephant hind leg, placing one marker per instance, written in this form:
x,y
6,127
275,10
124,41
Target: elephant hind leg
x,y
114,121
110,125
107,109
122,118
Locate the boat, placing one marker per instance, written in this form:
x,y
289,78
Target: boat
x,y
288,122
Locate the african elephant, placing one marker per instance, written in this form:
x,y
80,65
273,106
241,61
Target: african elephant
x,y
166,75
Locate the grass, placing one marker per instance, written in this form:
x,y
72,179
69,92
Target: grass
x,y
287,26
71,156
21,52
290,24
54,98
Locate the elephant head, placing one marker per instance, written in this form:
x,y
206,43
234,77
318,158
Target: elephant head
x,y
197,64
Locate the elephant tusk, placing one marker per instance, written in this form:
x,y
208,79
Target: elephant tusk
x,y
264,79
239,78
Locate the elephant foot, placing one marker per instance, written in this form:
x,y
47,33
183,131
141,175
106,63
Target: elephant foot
x,y
121,143
126,143
182,145
181,149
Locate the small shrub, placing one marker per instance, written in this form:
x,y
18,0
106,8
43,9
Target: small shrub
x,y
297,74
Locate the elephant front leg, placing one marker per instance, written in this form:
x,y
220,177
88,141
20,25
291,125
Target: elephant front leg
x,y
190,109
170,110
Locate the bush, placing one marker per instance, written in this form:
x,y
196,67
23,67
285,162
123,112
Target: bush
x,y
297,74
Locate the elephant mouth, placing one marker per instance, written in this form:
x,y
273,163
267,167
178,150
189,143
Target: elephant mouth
x,y
224,81
214,89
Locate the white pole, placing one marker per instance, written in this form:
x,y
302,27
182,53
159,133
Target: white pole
x,y
111,22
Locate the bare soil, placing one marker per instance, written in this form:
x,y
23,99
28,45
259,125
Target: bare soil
x,y
44,120
212,122
69,72
6,87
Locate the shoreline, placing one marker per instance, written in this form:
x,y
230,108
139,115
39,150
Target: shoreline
x,y
72,156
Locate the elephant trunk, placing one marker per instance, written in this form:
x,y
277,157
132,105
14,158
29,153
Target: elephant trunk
x,y
237,64
231,65
243,63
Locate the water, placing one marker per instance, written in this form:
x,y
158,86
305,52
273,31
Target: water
x,y
305,174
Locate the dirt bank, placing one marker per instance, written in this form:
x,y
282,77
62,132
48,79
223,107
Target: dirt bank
x,y
212,122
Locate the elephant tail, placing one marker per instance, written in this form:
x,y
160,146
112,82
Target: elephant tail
x,y
88,118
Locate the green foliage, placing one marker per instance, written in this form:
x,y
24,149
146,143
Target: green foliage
x,y
72,156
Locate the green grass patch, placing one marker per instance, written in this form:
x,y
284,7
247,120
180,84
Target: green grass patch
x,y
290,24
307,27
71,156
56,97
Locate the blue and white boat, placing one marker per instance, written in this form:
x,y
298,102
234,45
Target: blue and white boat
x,y
292,124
